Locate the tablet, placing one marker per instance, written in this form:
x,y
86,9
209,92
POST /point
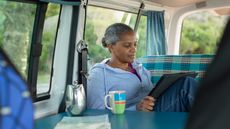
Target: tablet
x,y
166,81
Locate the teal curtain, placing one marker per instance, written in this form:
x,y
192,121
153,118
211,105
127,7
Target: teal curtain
x,y
156,42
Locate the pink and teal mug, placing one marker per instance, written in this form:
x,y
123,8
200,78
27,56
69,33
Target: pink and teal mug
x,y
116,101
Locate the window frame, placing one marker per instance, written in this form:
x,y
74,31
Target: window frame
x,y
36,51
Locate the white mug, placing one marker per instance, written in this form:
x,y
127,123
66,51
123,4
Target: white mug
x,y
117,100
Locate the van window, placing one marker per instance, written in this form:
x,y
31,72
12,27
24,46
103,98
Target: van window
x,y
201,33
16,25
48,44
98,19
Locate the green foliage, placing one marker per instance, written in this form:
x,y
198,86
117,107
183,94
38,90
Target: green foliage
x,y
141,47
201,33
2,18
15,31
48,38
96,52
52,10
47,52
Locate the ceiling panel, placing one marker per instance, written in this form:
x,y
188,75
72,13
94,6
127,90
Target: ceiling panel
x,y
223,11
176,3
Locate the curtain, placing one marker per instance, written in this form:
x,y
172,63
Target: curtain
x,y
156,42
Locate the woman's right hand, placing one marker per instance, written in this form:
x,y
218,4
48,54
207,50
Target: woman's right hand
x,y
146,104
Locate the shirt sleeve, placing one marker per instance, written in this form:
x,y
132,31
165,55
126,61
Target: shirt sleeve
x,y
95,89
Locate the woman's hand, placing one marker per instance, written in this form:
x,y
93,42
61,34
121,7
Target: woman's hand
x,y
146,104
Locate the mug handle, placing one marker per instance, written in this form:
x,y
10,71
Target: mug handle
x,y
105,100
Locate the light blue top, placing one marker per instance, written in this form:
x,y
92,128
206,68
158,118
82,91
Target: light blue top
x,y
103,78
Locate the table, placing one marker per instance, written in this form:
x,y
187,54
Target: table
x,y
128,120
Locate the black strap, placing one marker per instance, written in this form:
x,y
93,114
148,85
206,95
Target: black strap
x,y
82,49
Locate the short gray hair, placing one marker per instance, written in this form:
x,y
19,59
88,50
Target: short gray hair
x,y
113,33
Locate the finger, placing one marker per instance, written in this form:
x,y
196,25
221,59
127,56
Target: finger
x,y
150,108
150,98
145,110
147,106
151,104
146,103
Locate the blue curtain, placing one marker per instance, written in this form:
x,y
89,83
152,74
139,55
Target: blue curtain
x,y
156,42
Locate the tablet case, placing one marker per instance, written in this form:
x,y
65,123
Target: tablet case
x,y
166,81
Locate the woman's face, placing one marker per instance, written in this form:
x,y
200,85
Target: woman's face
x,y
124,50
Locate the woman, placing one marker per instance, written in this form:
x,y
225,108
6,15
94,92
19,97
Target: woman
x,y
122,72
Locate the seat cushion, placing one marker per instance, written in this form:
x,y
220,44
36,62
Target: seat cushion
x,y
166,64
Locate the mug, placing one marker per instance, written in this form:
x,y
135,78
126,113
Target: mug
x,y
116,101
